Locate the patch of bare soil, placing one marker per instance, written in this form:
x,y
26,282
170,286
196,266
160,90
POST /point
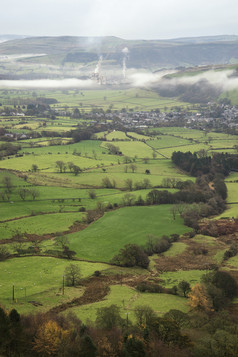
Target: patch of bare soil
x,y
97,288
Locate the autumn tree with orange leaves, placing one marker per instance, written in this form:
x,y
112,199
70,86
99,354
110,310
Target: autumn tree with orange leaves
x,y
199,298
49,338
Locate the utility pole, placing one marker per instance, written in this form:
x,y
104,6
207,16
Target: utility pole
x,y
13,297
63,286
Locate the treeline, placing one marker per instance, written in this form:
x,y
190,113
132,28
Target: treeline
x,y
207,330
219,163
111,336
7,149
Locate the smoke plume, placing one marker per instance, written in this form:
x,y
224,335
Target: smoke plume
x,y
125,52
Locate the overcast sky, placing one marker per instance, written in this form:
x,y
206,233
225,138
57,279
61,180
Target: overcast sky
x,y
128,19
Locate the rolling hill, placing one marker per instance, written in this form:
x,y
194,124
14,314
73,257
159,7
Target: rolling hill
x,y
149,54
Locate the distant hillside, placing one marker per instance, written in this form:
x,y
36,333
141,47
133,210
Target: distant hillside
x,y
150,54
4,38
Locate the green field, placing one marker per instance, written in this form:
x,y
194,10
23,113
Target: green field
x,y
63,198
176,249
136,99
105,237
42,224
128,300
39,279
171,278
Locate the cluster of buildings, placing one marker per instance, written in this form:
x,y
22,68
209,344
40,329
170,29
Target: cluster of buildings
x,y
211,117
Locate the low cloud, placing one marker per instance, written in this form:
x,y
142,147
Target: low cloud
x,y
49,84
140,79
222,80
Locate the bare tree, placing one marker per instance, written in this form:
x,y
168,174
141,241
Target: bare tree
x,y
34,193
72,274
23,192
76,170
7,183
129,184
128,199
61,166
34,168
133,167
174,211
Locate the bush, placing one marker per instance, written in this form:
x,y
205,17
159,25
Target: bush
x,y
131,255
221,287
162,245
4,253
231,252
174,238
146,286
92,194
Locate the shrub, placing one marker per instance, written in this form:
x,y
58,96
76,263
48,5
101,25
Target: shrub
x,y
131,255
146,286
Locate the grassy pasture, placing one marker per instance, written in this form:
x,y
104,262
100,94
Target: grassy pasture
x,y
27,208
173,278
167,152
42,224
163,167
42,278
46,163
176,249
202,239
167,141
232,263
232,188
218,257
117,135
139,136
223,144
229,151
231,211
15,180
101,98
57,128
176,131
197,135
133,148
52,203
105,237
49,142
128,300
159,169
50,200
232,177
86,146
